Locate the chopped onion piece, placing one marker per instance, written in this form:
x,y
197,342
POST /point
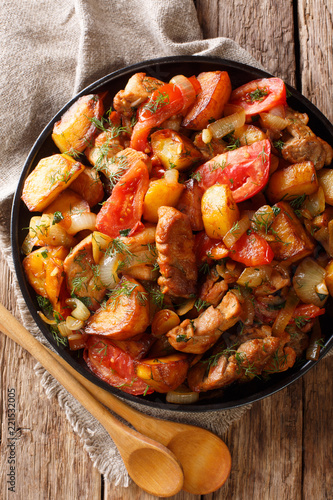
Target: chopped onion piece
x,y
100,243
28,244
73,323
315,203
237,230
254,276
273,122
186,307
323,237
109,270
63,329
308,277
45,319
182,395
228,124
80,310
80,222
285,314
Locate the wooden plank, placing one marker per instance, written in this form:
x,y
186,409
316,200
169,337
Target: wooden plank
x,y
266,449
133,492
50,461
264,29
315,18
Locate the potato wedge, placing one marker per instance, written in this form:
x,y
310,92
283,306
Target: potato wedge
x,y
51,176
163,374
162,192
291,243
215,92
293,181
174,149
219,211
68,202
89,186
105,147
126,313
325,179
35,266
76,128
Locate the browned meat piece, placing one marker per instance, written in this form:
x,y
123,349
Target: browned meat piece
x,y
304,145
299,341
212,290
176,258
139,87
216,372
198,335
190,204
297,116
214,148
82,275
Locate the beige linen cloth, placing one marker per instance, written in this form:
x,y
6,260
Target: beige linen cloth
x,y
50,50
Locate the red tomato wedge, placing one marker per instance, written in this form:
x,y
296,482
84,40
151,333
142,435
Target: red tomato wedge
x,y
123,210
252,250
259,95
307,312
163,103
245,170
113,365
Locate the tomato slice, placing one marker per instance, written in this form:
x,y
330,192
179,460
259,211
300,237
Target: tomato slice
x,y
163,103
251,250
113,365
245,170
307,312
205,246
123,210
259,95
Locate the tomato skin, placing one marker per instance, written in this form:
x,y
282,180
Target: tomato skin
x,y
309,311
204,246
123,209
172,102
245,170
276,95
251,250
113,365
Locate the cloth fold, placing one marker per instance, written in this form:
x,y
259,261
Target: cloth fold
x,y
46,59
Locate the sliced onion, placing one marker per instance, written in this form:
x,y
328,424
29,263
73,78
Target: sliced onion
x,y
279,110
273,122
186,88
236,231
80,222
315,203
80,310
182,396
308,283
313,350
45,319
323,237
48,233
109,270
254,276
28,244
63,329
186,307
164,321
285,314
228,124
73,323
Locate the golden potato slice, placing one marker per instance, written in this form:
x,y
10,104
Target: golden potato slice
x,y
215,92
89,186
126,313
162,192
51,176
68,202
174,149
54,277
164,374
293,181
35,265
325,179
76,129
219,210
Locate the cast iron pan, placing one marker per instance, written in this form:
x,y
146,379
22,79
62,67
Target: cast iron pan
x,y
164,69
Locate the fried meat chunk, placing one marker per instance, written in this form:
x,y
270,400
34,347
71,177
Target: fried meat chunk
x,y
138,89
176,257
198,335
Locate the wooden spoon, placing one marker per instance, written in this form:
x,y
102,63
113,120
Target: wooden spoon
x,y
151,465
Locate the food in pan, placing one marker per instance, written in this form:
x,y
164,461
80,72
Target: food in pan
x,y
183,238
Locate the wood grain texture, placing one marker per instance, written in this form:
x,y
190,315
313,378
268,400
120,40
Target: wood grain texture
x,y
315,18
49,458
265,29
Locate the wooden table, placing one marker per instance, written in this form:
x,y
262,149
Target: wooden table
x,y
282,448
